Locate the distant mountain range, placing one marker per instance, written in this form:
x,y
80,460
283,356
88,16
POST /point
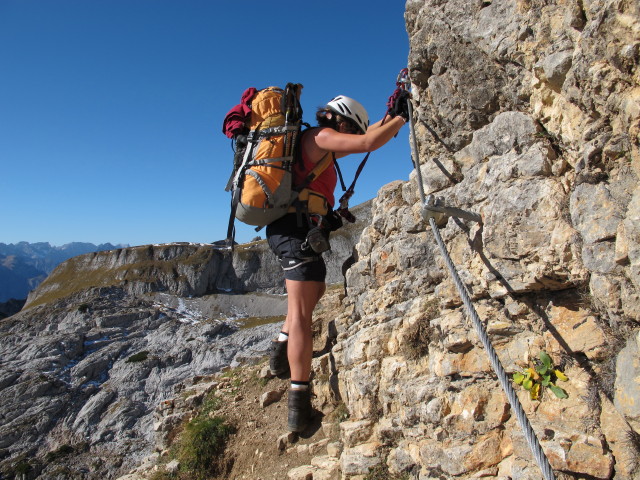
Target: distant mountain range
x,y
24,265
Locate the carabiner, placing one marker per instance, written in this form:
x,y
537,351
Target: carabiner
x,y
403,79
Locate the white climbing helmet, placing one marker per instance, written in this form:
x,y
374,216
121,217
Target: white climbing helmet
x,y
351,109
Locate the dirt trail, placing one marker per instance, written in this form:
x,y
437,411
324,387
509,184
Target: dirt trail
x,y
261,447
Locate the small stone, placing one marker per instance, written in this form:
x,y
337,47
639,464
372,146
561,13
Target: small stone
x,y
285,440
334,449
266,373
301,473
270,397
555,68
172,467
331,429
316,447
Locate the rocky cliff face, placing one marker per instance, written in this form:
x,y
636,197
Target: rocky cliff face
x,y
527,113
181,269
189,270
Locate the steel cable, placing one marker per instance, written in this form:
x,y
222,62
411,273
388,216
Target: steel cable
x,y
530,435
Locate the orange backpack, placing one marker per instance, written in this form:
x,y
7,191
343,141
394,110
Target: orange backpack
x,y
266,129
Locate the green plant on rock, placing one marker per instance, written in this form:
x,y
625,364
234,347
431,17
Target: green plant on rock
x,y
163,475
63,451
202,446
258,380
23,468
542,374
210,405
138,357
340,413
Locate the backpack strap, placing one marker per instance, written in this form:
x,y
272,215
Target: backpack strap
x,y
320,167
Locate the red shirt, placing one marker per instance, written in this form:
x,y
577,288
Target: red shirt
x,y
325,183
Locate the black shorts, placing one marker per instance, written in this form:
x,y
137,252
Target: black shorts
x,y
285,239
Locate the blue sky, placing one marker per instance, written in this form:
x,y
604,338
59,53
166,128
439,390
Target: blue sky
x,y
111,110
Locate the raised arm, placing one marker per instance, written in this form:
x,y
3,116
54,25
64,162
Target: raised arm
x,y
345,143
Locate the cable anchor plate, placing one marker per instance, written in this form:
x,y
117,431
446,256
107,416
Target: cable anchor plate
x,y
435,208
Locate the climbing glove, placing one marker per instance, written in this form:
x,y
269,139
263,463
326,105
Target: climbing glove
x,y
398,104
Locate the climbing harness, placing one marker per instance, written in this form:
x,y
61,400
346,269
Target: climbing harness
x,y
435,212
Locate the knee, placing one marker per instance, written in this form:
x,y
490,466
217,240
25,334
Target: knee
x,y
299,319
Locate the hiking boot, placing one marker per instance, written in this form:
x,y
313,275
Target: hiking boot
x,y
278,361
299,410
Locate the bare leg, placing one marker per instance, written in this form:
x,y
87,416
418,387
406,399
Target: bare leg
x,y
302,299
285,325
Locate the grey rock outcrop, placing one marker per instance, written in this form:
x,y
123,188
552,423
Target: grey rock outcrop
x,y
81,377
181,269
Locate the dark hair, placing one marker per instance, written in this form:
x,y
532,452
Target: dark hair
x,y
323,121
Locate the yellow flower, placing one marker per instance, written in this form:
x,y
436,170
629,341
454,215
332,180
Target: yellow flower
x,y
560,375
534,393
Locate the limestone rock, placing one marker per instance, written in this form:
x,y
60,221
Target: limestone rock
x,y
358,460
270,397
580,330
627,387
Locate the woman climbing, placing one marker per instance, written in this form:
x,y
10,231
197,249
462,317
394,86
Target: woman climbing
x,y
343,128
